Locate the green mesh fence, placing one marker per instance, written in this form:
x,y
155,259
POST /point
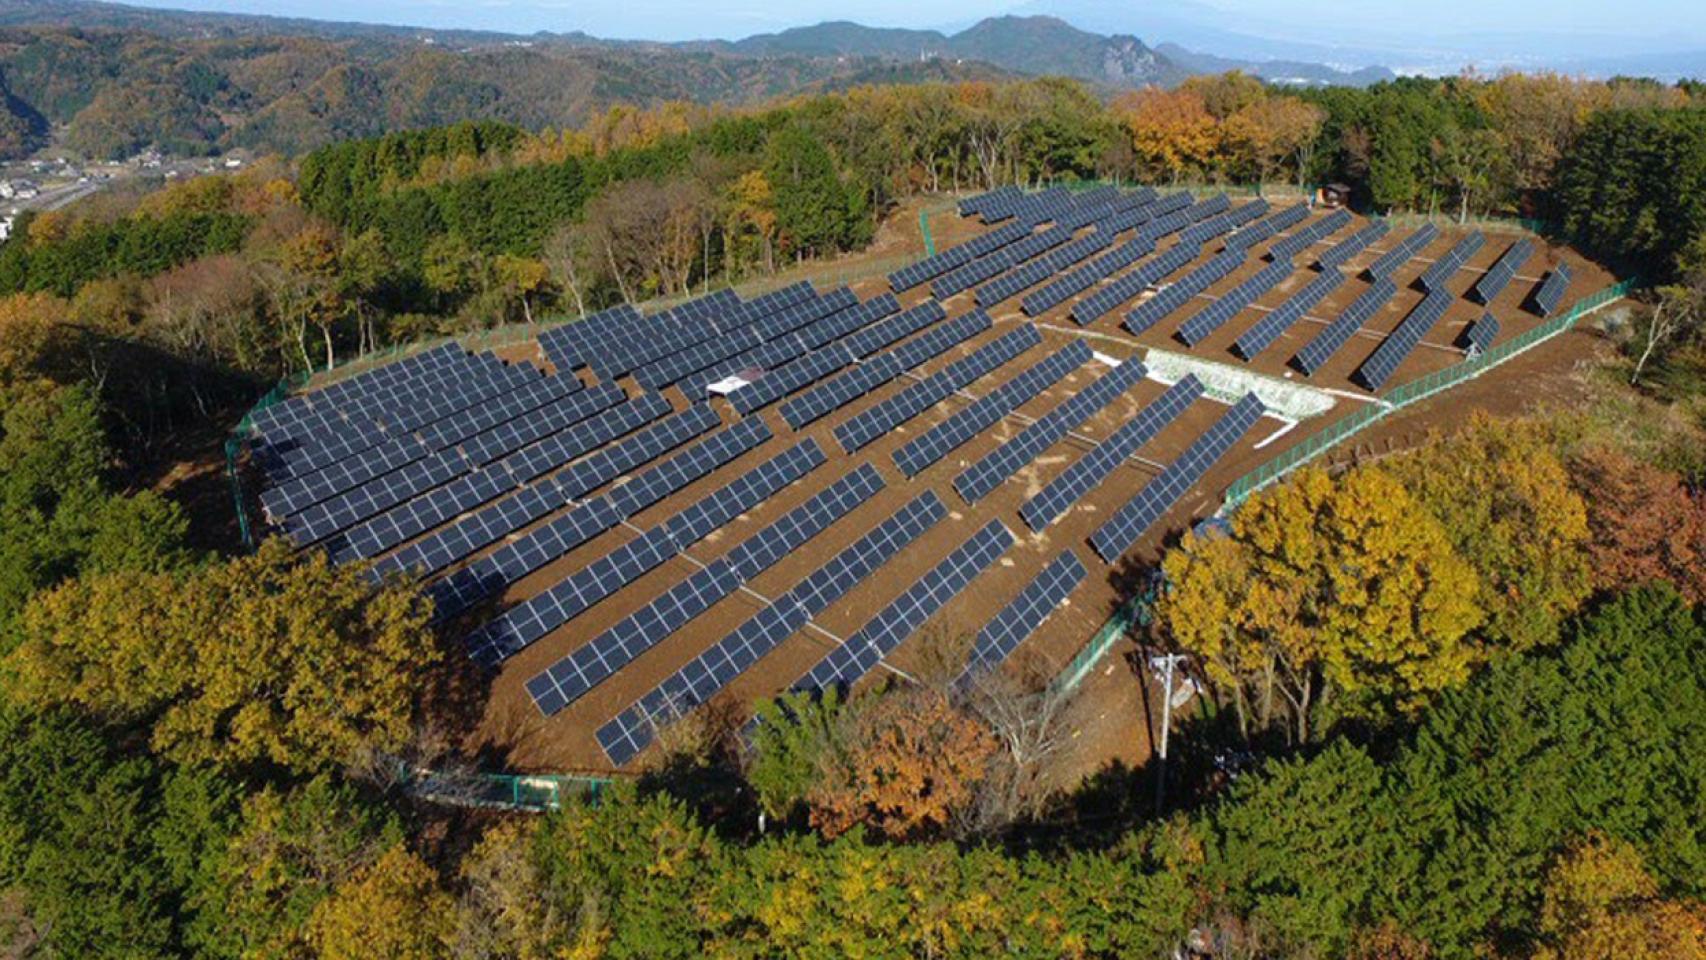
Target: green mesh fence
x,y
519,791
1415,391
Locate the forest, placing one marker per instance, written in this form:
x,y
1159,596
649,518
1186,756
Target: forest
x,y
1456,698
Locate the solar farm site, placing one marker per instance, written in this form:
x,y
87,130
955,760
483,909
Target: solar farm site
x,y
647,513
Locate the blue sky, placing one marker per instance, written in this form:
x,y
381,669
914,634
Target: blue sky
x,y
1563,27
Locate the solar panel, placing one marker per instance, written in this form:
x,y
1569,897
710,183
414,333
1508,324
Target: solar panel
x,y
1134,519
1090,470
1079,280
880,635
1288,247
865,342
1268,226
465,494
867,425
511,631
1503,271
571,676
924,270
1212,317
1004,461
936,443
1170,298
1551,290
1036,271
703,677
975,204
1385,360
1027,612
1391,260
1352,245
389,489
1318,351
1479,336
834,394
1265,331
523,555
1442,270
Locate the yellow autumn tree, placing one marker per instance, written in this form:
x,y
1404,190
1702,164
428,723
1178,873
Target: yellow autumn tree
x,y
1506,503
1324,586
1600,903
266,657
394,909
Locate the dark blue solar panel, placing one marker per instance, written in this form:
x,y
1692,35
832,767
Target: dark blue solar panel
x,y
1212,317
1004,461
1021,618
1503,271
1400,254
508,633
936,443
884,632
1265,331
707,674
869,424
1318,351
1436,276
1090,470
1352,245
1383,363
1551,291
1133,520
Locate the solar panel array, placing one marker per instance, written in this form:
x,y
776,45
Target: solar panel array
x,y
983,268
869,424
1442,270
1152,311
508,633
566,680
1015,623
1267,227
922,451
319,436
1318,351
298,493
1265,331
1288,247
452,481
1004,461
1133,520
1036,271
1381,364
707,674
1212,317
1352,245
1479,335
1551,290
527,553
930,267
880,635
975,205
1077,281
1499,276
531,501
1090,470
832,395
1389,262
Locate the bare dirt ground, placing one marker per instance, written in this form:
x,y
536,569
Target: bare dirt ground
x,y
1109,721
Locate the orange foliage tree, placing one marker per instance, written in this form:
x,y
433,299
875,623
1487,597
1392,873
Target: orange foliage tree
x,y
1644,523
911,759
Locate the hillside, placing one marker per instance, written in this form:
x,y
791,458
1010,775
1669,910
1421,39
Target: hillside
x,y
114,92
126,78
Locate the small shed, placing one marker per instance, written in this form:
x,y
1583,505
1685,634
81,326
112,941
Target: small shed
x,y
1335,195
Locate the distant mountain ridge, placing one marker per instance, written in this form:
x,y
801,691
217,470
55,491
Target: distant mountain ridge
x,y
108,80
